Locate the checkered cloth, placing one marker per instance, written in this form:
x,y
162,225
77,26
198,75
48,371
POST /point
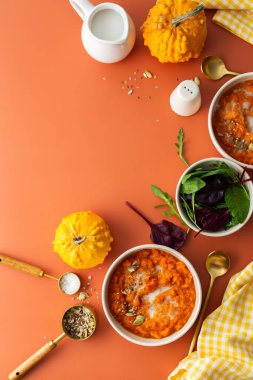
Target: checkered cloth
x,y
233,15
225,344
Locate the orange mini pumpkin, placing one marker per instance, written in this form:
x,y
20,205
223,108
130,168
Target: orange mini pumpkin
x,y
174,44
82,240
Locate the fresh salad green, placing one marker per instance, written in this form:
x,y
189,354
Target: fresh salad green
x,y
214,197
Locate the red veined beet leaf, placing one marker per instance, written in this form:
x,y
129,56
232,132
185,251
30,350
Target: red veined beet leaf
x,y
164,232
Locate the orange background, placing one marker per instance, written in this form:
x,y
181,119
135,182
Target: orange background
x,y
71,140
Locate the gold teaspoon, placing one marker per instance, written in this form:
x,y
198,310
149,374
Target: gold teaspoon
x,y
214,68
217,264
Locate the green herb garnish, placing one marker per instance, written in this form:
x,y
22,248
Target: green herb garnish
x,y
168,201
180,144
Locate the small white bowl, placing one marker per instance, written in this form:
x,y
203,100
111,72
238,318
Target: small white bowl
x,y
214,104
204,163
138,339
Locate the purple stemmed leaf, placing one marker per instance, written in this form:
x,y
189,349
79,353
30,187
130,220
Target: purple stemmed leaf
x,y
164,232
168,234
212,220
213,192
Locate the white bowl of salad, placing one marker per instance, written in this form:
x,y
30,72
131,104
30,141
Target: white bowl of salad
x,y
214,197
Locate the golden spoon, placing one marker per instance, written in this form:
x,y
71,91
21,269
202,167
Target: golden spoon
x,y
217,264
214,68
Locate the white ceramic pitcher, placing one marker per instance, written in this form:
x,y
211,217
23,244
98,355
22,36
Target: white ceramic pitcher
x,y
108,32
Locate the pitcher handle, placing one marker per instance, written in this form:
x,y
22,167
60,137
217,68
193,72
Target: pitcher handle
x,y
82,7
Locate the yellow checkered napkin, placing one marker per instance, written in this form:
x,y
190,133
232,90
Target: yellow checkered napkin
x,y
233,15
225,344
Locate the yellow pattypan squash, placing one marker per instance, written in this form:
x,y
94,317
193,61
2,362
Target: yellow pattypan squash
x,y
174,44
82,240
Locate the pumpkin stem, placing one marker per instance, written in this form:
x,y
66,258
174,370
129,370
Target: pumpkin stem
x,y
79,240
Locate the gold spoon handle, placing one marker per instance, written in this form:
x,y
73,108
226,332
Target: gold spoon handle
x,y
201,317
232,73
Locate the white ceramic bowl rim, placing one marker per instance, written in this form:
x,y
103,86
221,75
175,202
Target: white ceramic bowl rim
x,y
149,341
238,79
236,167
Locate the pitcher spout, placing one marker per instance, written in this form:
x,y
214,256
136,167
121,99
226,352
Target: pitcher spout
x,y
82,7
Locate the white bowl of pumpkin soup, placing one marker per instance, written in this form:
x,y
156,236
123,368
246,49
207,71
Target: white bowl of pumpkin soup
x,y
151,295
230,120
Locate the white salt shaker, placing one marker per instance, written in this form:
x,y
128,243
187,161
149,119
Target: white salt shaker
x,y
185,100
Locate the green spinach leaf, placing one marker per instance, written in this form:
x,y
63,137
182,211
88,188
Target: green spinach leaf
x,y
238,203
192,185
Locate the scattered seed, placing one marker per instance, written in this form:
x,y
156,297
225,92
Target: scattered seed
x,y
156,86
89,277
104,78
130,92
133,267
157,120
82,296
250,146
147,74
130,314
197,80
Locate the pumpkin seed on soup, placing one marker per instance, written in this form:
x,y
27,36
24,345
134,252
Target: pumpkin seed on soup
x,y
139,320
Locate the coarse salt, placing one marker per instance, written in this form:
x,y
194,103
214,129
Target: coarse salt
x,y
69,283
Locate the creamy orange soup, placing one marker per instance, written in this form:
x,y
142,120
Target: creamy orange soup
x,y
233,122
152,294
